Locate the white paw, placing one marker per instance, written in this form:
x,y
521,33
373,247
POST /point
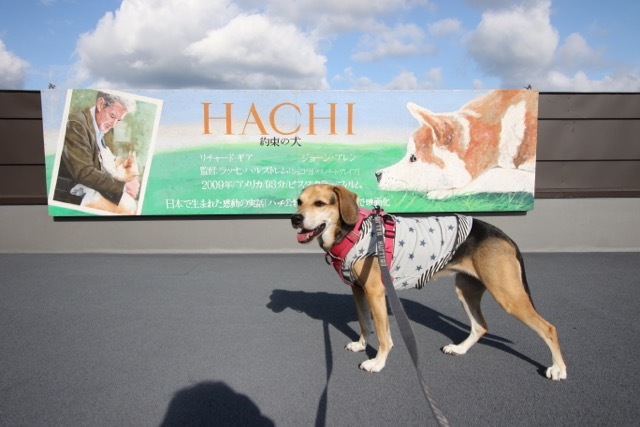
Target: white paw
x,y
454,350
372,365
557,373
355,346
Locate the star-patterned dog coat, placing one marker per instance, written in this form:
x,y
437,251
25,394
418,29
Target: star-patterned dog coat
x,y
422,247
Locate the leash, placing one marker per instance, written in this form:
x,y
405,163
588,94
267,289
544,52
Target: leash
x,y
401,318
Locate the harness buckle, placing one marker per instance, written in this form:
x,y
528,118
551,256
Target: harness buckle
x,y
330,259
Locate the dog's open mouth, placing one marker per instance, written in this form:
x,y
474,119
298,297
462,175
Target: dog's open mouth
x,y
305,236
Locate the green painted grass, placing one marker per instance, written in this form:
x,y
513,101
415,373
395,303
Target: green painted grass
x,y
252,179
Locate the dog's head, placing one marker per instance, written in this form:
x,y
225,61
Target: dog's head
x,y
327,212
433,160
127,167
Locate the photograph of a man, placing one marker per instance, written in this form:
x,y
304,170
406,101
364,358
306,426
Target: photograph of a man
x,y
90,174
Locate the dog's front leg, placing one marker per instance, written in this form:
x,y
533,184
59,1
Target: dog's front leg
x,y
368,272
364,318
375,296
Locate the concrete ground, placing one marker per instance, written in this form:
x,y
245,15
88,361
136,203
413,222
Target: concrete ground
x,y
202,340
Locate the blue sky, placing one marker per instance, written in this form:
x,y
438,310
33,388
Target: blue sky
x,y
574,46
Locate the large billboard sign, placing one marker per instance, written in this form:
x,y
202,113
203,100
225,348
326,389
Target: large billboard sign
x,y
218,152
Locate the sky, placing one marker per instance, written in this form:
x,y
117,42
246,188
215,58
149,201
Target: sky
x,y
559,45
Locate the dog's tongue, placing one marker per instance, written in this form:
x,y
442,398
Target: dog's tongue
x,y
304,236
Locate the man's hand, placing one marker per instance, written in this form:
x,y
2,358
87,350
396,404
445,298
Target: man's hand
x,y
132,187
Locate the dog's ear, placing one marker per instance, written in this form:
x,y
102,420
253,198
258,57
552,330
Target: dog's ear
x,y
427,118
423,115
348,204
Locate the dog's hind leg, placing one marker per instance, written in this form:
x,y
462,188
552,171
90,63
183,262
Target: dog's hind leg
x,y
530,317
469,291
507,285
364,319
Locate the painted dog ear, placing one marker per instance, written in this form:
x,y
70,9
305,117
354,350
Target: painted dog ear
x,y
425,116
348,204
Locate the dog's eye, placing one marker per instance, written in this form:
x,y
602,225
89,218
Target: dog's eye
x,y
413,158
320,203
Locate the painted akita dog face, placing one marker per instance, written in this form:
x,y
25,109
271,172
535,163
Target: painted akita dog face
x,y
449,151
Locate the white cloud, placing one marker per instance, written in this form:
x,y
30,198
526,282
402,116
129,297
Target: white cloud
x,y
202,44
401,40
249,44
520,46
445,27
232,44
434,78
489,4
405,80
515,44
330,17
263,51
575,53
580,82
356,82
13,70
242,44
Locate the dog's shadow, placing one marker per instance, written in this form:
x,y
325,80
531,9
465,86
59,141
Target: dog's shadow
x,y
339,311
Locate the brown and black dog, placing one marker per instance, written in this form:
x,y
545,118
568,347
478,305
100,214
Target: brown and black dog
x,y
486,260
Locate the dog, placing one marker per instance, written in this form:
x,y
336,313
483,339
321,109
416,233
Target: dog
x,y
482,257
489,145
123,168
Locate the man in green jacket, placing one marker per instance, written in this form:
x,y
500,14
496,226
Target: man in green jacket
x,y
87,162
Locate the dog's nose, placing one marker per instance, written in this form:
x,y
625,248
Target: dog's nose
x,y
296,220
378,176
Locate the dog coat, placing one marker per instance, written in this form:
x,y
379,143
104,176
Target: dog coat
x,y
422,247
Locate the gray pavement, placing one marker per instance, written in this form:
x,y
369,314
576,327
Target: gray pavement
x,y
208,340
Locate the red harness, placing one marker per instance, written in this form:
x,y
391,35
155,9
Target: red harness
x,y
339,251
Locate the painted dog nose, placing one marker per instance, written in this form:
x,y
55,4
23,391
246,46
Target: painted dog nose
x,y
378,176
296,220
